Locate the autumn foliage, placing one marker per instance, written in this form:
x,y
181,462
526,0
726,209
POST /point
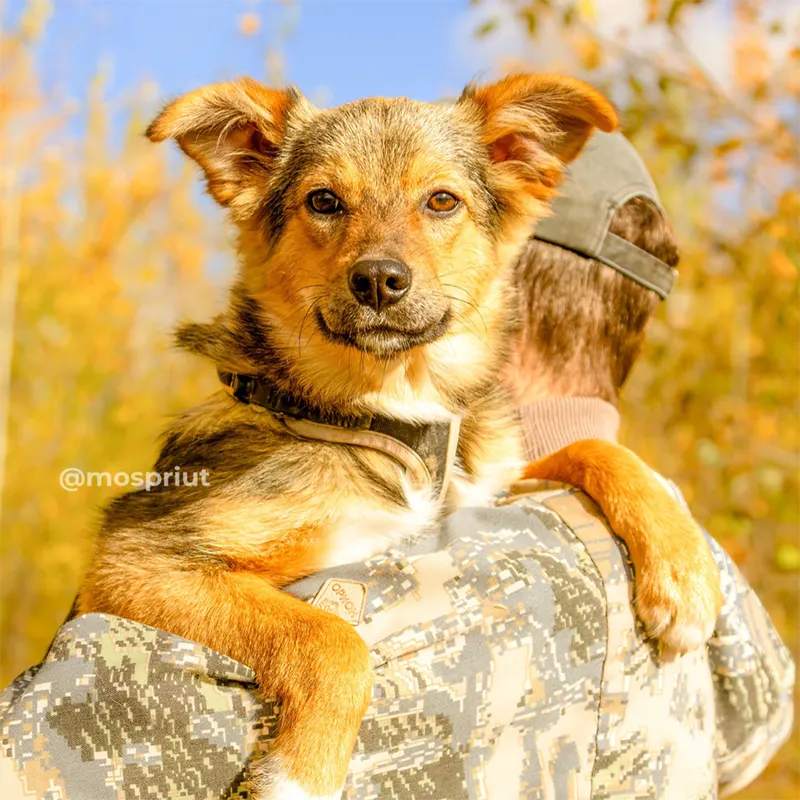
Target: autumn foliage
x,y
105,246
106,242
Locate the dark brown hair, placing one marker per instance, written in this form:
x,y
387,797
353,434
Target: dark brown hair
x,y
583,323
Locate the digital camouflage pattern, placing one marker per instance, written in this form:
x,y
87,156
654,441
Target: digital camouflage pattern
x,y
508,664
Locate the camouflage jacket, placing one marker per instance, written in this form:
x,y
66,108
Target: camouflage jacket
x,y
508,664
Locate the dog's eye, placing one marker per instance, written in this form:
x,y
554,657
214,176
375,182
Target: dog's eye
x,y
324,202
442,202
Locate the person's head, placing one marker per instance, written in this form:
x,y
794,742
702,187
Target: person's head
x,y
591,277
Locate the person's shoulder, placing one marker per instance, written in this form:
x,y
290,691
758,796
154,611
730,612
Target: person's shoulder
x,y
576,512
499,614
519,530
113,697
518,562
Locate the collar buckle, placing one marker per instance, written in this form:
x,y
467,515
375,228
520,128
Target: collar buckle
x,y
242,387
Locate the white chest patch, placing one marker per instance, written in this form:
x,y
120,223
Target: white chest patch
x,y
466,492
366,531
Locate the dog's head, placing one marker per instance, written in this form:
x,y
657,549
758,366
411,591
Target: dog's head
x,y
383,226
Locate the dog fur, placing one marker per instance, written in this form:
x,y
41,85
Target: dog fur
x,y
208,562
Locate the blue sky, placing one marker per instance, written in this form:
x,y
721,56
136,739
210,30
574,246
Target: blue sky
x,y
338,50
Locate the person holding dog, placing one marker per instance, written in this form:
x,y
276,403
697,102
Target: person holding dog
x,y
508,658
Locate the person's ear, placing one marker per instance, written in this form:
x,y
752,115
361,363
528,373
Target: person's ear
x,y
532,125
234,131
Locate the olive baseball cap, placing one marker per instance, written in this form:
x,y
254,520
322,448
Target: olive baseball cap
x,y
607,174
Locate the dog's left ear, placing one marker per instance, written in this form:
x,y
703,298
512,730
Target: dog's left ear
x,y
533,125
234,131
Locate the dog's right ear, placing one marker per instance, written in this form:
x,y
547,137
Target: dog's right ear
x,y
233,131
532,125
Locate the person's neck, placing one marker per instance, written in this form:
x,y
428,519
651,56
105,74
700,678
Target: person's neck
x,y
550,423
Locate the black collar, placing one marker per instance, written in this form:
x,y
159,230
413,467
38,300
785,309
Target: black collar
x,y
426,449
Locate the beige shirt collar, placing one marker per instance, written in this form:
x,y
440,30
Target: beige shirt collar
x,y
551,423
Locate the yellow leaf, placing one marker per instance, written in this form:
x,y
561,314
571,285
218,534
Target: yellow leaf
x,y
727,147
782,266
787,557
249,24
587,49
719,171
765,427
586,9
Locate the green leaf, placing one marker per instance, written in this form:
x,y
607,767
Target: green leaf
x,y
486,28
529,17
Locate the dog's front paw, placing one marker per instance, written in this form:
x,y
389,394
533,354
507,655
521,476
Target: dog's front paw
x,y
677,584
678,596
267,780
324,695
285,789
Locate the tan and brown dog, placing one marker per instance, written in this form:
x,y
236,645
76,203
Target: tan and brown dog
x,y
373,305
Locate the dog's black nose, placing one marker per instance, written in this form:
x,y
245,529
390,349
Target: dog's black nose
x,y
379,283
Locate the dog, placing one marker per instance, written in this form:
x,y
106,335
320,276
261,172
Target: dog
x,y
360,356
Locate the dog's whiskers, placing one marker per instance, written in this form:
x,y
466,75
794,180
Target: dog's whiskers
x,y
311,308
472,301
304,288
467,319
454,272
383,377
